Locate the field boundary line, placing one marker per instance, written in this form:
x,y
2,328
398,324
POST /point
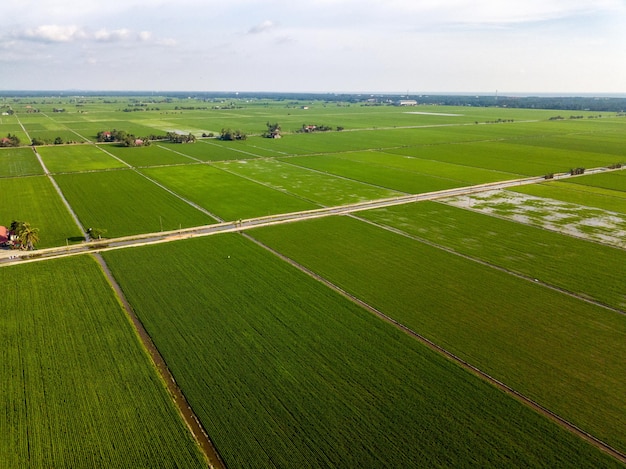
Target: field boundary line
x,y
23,128
491,265
338,176
62,196
182,154
563,423
68,128
233,149
265,184
166,189
179,399
178,196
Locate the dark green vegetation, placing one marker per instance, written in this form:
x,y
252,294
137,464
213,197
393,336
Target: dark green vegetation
x,y
564,353
77,388
284,372
281,370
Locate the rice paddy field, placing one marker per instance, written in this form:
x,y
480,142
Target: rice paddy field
x,y
18,162
125,203
285,372
78,390
289,340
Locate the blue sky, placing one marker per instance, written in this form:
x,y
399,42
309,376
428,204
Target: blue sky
x,y
535,46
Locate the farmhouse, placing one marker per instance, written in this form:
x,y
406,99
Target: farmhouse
x,y
4,235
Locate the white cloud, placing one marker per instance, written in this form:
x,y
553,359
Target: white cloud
x,y
53,33
263,27
502,12
113,36
67,34
145,36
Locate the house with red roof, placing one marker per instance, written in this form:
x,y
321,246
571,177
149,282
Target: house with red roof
x,y
4,235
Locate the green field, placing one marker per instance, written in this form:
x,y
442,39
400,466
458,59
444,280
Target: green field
x,y
78,389
615,181
561,352
315,186
575,265
124,203
581,194
283,372
34,200
71,158
214,150
384,177
280,369
510,156
228,196
18,162
153,155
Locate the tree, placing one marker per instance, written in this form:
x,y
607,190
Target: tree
x,y
10,141
230,134
273,130
97,232
27,236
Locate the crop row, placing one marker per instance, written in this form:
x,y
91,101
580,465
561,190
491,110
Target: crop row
x,y
18,162
284,372
228,196
558,350
78,389
124,203
576,265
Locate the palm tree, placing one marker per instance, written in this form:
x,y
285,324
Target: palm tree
x,y
27,236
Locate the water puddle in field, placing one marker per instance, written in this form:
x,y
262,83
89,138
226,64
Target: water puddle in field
x,y
589,223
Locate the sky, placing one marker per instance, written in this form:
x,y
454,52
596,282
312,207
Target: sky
x,y
327,46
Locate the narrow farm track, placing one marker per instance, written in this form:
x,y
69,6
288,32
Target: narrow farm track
x,y
442,351
22,126
68,128
178,397
61,195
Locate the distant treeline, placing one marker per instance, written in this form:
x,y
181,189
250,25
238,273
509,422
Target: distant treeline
x,y
572,103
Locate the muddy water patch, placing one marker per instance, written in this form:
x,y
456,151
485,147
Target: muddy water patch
x,y
575,220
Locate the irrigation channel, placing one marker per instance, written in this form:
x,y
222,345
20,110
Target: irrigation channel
x,y
9,257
